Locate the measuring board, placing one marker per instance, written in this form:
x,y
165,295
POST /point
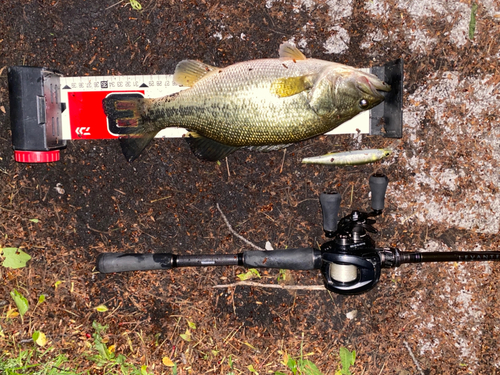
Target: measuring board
x,y
48,109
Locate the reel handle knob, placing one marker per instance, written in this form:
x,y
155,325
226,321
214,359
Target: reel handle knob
x,y
378,186
330,205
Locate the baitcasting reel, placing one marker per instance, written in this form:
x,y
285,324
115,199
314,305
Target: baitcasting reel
x,y
349,262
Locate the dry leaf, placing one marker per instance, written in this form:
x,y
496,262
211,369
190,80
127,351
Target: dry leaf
x,y
168,362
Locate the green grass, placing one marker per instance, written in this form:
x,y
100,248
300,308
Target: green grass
x,y
35,361
301,366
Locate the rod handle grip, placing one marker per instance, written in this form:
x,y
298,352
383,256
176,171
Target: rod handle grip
x,y
123,262
290,259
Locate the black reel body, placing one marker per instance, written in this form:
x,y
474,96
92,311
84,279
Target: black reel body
x,y
350,262
347,273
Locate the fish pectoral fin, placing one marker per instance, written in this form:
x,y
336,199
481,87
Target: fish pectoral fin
x,y
133,145
188,72
206,148
289,86
289,52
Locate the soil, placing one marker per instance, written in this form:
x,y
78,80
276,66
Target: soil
x,y
443,195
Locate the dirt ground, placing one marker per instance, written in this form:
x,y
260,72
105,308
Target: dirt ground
x,y
444,193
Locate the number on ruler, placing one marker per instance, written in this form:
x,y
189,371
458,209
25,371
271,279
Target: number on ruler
x,y
104,84
119,84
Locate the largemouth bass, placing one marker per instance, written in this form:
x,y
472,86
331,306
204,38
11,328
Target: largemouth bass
x,y
349,157
259,104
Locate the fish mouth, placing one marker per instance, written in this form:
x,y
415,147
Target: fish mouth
x,y
371,85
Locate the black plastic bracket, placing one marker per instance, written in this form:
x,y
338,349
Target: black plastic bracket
x,y
35,109
387,118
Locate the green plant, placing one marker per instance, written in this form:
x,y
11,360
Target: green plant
x,y
282,275
34,362
300,365
21,302
107,360
347,359
40,361
230,363
14,257
472,22
250,274
135,4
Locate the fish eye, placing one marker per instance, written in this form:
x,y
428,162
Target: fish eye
x,y
363,103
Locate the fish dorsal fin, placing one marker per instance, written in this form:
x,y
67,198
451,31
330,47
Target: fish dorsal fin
x,y
188,72
207,149
289,52
289,86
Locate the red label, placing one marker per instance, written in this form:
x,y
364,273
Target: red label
x,y
86,116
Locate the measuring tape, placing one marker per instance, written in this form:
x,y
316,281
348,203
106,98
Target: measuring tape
x,y
48,109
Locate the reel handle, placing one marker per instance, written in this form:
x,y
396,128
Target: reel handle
x,y
378,186
330,205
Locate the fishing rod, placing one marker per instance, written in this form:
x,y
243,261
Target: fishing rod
x,y
349,262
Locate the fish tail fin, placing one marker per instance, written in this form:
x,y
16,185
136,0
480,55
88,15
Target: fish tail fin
x,y
126,112
128,115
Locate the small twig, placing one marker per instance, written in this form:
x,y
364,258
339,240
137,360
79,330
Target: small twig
x,y
160,199
236,234
413,357
121,192
283,161
227,166
95,230
69,312
115,4
382,369
231,334
274,286
108,232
